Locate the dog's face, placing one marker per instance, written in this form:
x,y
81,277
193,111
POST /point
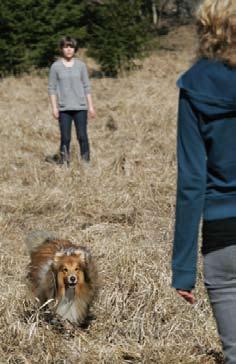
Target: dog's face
x,y
70,269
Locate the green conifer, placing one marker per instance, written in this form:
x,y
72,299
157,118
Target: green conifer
x,y
117,34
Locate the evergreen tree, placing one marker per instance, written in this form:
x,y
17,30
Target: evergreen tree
x,y
66,18
30,30
117,34
12,53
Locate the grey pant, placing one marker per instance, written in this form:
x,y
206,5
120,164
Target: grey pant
x,y
220,281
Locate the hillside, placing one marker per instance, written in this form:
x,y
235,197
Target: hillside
x,y
121,206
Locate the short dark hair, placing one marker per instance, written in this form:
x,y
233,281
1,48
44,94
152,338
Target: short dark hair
x,y
68,41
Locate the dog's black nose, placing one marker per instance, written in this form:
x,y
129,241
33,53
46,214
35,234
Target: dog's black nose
x,y
72,280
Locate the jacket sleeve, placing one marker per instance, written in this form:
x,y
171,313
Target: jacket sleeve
x,y
85,80
191,184
52,81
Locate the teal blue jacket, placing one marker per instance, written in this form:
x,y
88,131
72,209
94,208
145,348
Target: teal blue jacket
x,y
206,154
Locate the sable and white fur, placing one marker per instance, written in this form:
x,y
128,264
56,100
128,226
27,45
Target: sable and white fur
x,y
62,271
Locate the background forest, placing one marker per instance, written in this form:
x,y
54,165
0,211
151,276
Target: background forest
x,y
114,31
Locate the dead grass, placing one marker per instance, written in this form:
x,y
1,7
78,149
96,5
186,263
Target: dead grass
x,y
121,206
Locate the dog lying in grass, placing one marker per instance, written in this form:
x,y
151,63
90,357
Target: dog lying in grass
x,y
62,271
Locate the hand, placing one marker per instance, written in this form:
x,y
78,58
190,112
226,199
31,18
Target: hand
x,y
92,112
188,296
55,113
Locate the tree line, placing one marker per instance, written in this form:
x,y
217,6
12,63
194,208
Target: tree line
x,y
115,32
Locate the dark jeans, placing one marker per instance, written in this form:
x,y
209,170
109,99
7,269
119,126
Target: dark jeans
x,y
80,120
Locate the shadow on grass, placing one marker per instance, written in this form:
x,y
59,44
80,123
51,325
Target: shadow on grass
x,y
217,355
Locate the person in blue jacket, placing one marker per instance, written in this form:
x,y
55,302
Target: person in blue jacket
x,y
206,183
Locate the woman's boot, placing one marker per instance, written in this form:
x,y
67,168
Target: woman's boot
x,y
64,156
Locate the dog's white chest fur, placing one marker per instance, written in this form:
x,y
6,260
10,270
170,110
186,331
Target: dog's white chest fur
x,y
70,307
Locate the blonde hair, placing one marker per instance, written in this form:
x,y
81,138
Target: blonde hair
x,y
216,24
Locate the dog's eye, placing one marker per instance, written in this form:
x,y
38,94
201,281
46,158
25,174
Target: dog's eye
x,y
77,269
65,270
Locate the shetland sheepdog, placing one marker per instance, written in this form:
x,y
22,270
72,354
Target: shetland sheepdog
x,y
62,271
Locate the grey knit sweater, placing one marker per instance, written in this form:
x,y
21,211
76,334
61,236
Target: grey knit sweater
x,y
70,85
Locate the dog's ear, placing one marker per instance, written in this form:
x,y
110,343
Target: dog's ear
x,y
84,255
57,258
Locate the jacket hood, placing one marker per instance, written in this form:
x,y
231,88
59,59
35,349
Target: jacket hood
x,y
211,87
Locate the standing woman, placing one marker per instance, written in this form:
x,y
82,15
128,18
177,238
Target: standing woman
x,y
206,152
70,98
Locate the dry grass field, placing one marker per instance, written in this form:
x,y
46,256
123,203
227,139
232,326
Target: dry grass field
x,y
121,206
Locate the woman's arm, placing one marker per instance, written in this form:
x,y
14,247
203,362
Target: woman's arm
x,y
90,106
52,91
87,90
53,102
191,186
